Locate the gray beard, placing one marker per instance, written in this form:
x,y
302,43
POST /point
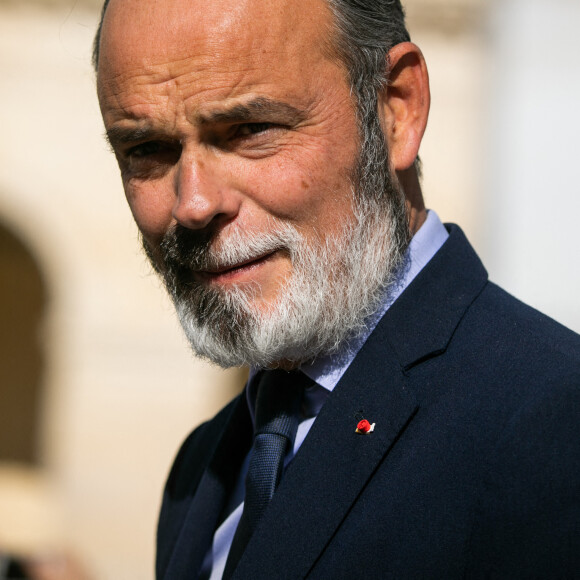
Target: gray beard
x,y
334,286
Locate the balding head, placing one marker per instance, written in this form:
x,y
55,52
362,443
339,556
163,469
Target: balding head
x,y
148,31
363,35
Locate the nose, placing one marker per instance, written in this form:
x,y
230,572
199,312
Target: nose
x,y
204,193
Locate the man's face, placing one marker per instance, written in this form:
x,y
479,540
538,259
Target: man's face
x,y
223,115
236,136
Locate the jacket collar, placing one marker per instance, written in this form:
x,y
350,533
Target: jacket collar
x,y
423,319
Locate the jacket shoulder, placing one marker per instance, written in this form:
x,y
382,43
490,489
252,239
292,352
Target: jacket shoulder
x,y
537,337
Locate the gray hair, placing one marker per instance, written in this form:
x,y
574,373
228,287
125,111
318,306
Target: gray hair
x,y
366,30
97,40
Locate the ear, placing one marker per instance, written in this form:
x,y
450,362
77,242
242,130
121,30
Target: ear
x,y
404,104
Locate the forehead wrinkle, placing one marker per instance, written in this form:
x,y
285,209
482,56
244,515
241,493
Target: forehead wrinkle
x,y
187,78
144,92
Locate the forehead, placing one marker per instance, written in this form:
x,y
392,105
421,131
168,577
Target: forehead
x,y
220,44
223,22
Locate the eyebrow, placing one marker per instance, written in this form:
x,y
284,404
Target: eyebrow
x,y
261,108
124,135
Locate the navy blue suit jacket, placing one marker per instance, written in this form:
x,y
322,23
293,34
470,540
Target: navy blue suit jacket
x,y
472,470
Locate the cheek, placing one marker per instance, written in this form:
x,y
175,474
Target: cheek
x,y
304,187
151,207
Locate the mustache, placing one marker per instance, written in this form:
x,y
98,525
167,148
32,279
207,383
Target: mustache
x,y
184,249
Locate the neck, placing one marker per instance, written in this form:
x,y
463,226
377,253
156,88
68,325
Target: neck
x,y
416,212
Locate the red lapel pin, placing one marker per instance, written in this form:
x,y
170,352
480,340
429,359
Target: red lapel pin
x,y
364,427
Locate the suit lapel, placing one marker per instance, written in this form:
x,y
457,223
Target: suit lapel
x,y
334,463
204,513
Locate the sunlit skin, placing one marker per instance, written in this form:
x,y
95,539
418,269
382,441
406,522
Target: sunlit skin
x,y
223,115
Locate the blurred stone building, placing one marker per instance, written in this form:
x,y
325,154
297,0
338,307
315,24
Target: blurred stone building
x,y
97,385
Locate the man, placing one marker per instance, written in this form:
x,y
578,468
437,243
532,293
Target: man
x,y
268,151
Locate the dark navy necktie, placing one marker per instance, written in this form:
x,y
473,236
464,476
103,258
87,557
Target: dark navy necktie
x,y
276,419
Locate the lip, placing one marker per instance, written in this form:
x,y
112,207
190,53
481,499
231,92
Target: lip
x,y
234,273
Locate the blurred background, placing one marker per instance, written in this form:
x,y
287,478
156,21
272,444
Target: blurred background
x,y
97,385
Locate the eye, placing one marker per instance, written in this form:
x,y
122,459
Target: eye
x,y
148,149
151,158
249,129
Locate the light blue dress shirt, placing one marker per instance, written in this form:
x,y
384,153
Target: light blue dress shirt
x,y
326,372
